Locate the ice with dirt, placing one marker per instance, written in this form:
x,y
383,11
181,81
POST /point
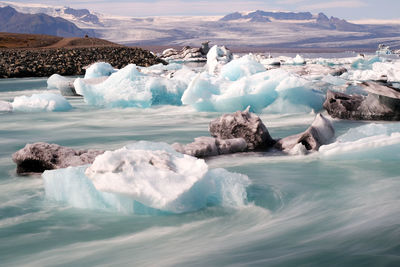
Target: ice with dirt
x,y
41,102
146,177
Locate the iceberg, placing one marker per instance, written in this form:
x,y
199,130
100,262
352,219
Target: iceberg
x,y
216,57
131,88
242,67
145,178
65,85
285,90
99,69
41,102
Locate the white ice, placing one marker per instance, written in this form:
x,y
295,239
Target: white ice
x,y
59,82
217,56
41,102
277,89
5,106
131,88
146,177
99,69
366,142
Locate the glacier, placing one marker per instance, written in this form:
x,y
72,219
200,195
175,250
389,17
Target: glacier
x,y
41,102
146,178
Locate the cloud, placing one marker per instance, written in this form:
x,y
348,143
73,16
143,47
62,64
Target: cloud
x,y
335,4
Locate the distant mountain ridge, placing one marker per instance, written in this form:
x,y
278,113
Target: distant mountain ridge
x,y
16,22
260,16
256,29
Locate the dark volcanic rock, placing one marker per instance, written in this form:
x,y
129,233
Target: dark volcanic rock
x,y
19,63
321,132
244,125
382,103
38,157
203,147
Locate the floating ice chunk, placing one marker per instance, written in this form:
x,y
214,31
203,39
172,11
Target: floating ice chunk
x,y
299,60
146,180
333,80
364,63
41,102
130,88
161,68
208,93
216,57
242,67
389,71
371,141
99,69
5,106
65,85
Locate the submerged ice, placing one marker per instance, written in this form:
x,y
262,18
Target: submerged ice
x,y
142,178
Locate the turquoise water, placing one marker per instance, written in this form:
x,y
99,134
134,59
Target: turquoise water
x,y
303,210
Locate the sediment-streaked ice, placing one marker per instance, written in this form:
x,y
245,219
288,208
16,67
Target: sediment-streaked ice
x,y
41,102
138,180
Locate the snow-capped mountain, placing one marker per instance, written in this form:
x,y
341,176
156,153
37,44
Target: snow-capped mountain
x,y
81,17
17,22
241,29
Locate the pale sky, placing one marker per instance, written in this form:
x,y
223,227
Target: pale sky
x,y
347,9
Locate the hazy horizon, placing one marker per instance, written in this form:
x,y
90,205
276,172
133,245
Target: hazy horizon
x,y
350,10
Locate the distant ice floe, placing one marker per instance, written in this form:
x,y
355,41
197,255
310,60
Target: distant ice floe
x,y
389,70
41,102
146,178
371,141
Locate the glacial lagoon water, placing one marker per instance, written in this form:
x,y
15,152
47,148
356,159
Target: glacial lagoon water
x,y
326,209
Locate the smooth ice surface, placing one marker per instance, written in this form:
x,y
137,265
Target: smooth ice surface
x,y
153,179
41,102
130,88
99,69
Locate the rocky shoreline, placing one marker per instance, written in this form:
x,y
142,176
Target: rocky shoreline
x,y
19,63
